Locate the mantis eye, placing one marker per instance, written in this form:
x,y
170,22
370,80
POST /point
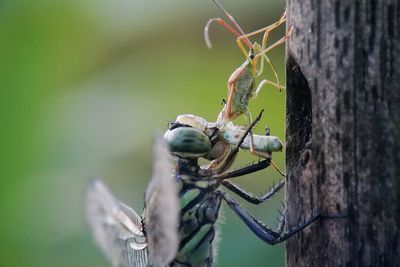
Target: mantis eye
x,y
187,142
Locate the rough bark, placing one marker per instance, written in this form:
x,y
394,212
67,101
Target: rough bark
x,y
343,132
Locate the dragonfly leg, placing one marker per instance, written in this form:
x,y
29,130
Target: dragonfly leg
x,y
250,197
243,171
262,231
258,228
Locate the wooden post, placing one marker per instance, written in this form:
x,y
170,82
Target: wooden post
x,y
343,132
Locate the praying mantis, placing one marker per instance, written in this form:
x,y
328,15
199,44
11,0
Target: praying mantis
x,y
241,84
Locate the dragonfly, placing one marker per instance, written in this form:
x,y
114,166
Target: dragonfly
x,y
182,203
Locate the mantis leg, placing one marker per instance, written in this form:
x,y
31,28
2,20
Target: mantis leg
x,y
277,43
229,115
232,154
223,24
238,32
268,28
277,169
263,53
263,82
251,197
262,231
266,31
235,150
278,85
250,118
264,155
281,20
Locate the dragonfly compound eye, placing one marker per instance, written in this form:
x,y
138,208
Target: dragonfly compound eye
x,y
187,142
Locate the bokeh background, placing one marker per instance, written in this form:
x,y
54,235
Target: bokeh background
x,y
85,85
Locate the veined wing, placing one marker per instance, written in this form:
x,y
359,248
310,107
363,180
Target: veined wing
x,y
162,208
116,228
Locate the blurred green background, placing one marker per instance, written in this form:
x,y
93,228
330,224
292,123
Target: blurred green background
x,y
85,85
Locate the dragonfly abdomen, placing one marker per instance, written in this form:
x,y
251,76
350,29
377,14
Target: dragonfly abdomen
x,y
199,212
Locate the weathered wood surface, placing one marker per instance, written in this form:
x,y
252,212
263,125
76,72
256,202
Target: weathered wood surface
x,y
343,132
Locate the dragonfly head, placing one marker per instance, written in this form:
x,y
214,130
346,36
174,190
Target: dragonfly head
x,y
187,142
191,137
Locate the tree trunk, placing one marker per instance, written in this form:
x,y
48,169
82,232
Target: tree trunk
x,y
343,132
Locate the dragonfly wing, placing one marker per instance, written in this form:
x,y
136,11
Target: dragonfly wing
x,y
116,228
162,208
